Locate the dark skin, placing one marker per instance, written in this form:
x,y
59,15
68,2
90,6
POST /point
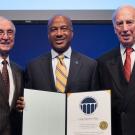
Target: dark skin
x,y
60,33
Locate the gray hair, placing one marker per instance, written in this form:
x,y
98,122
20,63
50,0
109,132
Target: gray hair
x,y
2,18
118,9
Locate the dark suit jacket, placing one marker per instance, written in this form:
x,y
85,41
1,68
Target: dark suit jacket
x,y
39,74
123,93
9,117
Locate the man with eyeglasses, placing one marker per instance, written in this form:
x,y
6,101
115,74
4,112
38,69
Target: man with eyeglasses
x,y
11,83
78,72
117,72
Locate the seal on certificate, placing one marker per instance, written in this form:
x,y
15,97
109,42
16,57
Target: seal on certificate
x,y
103,125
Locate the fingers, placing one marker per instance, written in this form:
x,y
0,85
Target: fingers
x,y
20,104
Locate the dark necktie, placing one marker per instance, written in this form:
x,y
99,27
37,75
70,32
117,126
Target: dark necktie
x,y
127,64
5,76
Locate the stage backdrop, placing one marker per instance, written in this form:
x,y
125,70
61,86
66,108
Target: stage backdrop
x,y
90,38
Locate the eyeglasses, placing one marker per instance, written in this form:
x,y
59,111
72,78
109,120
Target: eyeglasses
x,y
9,33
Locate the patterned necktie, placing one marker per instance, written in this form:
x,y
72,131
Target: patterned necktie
x,y
5,76
127,64
61,74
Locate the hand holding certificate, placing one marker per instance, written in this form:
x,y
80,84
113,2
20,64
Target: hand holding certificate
x,y
85,113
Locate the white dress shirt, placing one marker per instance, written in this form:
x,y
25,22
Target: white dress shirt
x,y
67,57
123,55
12,86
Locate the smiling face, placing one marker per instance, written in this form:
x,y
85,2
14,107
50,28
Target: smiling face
x,y
60,33
124,25
7,34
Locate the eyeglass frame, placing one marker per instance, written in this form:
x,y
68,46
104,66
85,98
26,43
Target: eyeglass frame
x,y
9,32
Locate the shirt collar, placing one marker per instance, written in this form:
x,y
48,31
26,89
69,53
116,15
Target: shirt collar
x,y
122,48
67,53
7,59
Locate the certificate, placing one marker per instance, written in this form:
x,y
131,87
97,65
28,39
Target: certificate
x,y
50,113
44,113
89,113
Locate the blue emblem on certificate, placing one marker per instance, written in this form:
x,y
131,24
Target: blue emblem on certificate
x,y
88,105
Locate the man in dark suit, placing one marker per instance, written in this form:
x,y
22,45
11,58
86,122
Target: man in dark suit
x,y
117,72
81,70
11,83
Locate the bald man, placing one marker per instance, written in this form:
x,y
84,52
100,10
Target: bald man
x,y
80,69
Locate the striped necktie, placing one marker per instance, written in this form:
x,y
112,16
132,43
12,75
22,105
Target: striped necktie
x,y
61,74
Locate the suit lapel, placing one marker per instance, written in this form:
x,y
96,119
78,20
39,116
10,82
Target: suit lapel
x,y
130,91
46,67
132,76
17,83
115,67
75,65
116,70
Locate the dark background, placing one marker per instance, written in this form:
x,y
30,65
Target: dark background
x,y
90,38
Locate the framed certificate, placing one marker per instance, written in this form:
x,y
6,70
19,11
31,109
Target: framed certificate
x,y
50,113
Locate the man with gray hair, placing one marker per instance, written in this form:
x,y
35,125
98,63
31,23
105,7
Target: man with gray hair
x,y
11,83
117,72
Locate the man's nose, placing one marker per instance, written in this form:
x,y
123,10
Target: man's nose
x,y
125,27
59,32
5,35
